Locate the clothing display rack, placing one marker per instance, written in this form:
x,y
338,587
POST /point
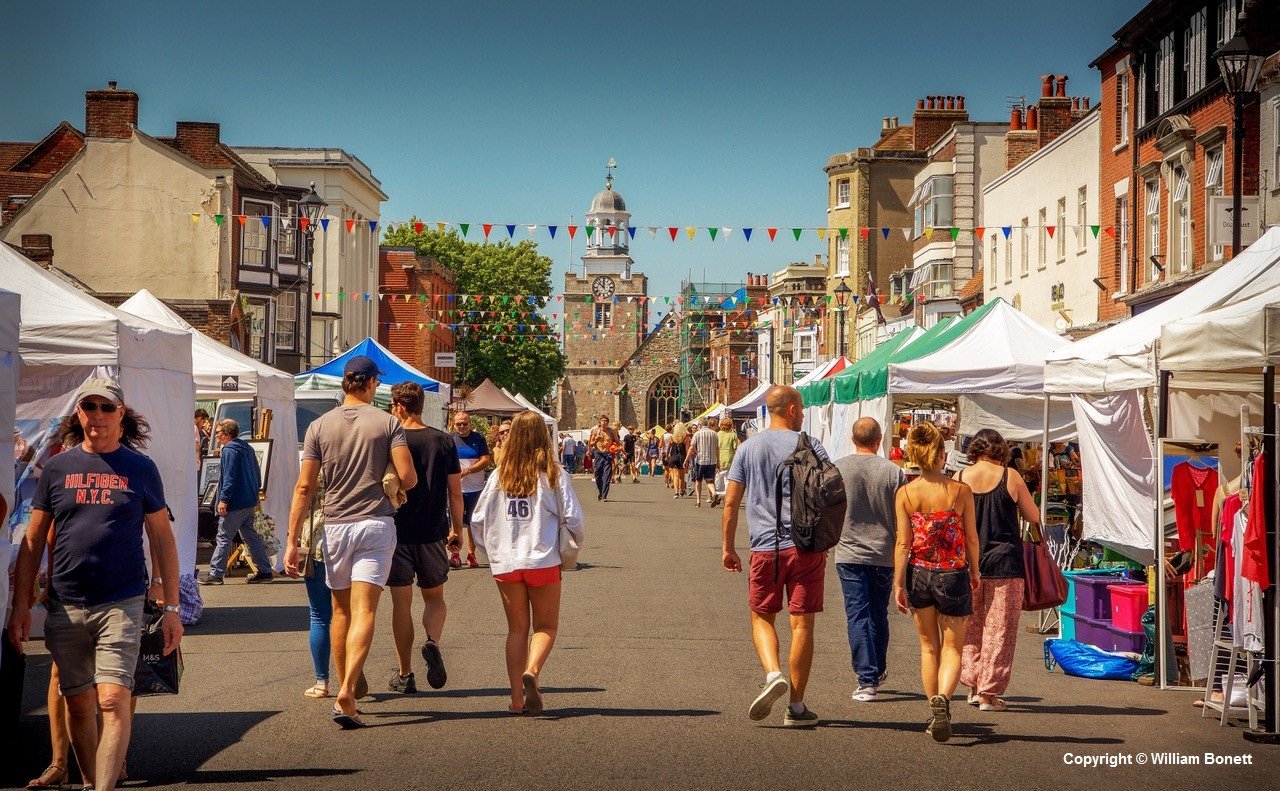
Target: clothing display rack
x,y
1227,657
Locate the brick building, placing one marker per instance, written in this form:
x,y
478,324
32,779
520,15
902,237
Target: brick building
x,y
791,334
413,291
1165,145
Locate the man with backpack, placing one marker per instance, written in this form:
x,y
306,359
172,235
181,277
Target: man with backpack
x,y
767,470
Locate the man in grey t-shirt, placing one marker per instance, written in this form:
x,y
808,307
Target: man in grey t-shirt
x,y
353,443
864,556
706,461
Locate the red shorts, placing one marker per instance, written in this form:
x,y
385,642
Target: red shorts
x,y
801,574
534,578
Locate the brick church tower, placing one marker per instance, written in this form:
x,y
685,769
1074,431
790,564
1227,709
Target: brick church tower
x,y
605,315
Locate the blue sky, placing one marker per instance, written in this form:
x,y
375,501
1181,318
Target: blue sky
x,y
718,113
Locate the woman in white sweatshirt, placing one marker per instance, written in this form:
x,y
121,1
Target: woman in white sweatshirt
x,y
517,524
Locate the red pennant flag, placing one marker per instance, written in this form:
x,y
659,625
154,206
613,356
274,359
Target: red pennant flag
x,y
1110,230
417,227
773,232
1050,229
317,293
242,219
487,228
673,232
351,224
303,222
573,230
612,230
980,231
864,233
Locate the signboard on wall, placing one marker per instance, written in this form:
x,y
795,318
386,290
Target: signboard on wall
x,y
446,360
1220,220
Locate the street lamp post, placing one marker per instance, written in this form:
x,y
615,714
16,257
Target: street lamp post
x,y
842,292
311,207
1240,68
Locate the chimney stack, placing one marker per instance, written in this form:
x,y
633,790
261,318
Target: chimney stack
x,y
934,117
39,248
112,113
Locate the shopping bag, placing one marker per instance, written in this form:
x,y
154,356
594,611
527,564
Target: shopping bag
x,y
265,527
568,549
156,673
1085,661
1045,586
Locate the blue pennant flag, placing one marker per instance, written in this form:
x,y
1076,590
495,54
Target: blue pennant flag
x,y
373,226
1006,230
324,223
552,229
511,232
747,233
884,232
631,231
266,220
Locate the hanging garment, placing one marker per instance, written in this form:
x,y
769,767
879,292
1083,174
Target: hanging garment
x,y
1246,609
1192,489
1254,565
1224,583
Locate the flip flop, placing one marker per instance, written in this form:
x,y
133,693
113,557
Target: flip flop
x,y
532,695
53,776
348,722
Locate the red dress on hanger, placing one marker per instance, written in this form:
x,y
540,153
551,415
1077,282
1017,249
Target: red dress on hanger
x,y
1193,489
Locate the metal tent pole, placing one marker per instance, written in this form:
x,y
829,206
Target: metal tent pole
x,y
1269,733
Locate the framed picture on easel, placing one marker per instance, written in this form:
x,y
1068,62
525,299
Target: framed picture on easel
x,y
210,473
262,449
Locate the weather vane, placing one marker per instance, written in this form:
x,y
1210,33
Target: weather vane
x,y
609,168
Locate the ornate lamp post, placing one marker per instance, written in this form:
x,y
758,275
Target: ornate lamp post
x,y
1240,68
842,292
311,207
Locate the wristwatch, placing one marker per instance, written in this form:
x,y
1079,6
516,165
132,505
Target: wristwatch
x,y
172,608
157,581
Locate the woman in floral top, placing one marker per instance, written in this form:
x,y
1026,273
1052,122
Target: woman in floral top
x,y
936,567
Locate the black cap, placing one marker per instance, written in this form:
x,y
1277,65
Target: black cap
x,y
362,366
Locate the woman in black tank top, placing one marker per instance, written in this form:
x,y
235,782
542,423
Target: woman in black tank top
x,y
991,634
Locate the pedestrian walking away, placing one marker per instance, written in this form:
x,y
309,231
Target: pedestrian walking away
x,y
568,449
517,522
1000,496
602,440
728,442
240,483
352,444
98,498
935,569
706,460
629,445
778,571
474,458
678,458
864,556
429,520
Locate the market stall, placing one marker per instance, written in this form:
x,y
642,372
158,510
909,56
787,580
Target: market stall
x,y
68,337
222,373
396,370
552,426
487,398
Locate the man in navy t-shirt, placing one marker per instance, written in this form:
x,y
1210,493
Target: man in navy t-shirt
x,y
97,497
473,458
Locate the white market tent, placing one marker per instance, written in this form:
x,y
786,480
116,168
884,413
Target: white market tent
x,y
10,316
211,363
552,426
752,402
827,369
68,337
1106,374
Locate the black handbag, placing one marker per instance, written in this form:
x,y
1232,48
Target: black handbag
x,y
156,674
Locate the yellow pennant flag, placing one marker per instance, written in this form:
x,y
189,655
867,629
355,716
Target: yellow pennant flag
x,y
195,218
822,233
440,227
691,231
928,234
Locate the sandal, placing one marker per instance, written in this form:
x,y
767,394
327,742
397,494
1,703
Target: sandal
x,y
318,690
348,722
53,776
996,704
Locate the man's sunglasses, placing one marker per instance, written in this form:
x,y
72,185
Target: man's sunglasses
x,y
94,406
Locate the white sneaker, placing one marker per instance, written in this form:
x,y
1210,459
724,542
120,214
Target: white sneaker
x,y
763,704
865,694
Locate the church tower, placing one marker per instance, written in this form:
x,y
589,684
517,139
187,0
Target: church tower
x,y
606,312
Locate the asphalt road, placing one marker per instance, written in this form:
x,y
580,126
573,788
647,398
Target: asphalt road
x,y
648,686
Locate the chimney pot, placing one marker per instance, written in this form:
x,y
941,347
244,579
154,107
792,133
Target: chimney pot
x,y
895,122
1046,85
111,85
1062,85
1084,103
951,102
1015,120
919,104
1033,118
764,280
884,122
959,102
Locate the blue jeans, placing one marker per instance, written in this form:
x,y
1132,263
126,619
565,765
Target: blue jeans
x,y
866,609
603,467
238,521
568,463
320,603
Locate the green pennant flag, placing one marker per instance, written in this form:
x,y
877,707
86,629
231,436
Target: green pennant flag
x,y
217,220
668,299
588,298
341,295
796,232
505,299
465,226
1095,229
955,233
422,297
829,297
713,231
844,233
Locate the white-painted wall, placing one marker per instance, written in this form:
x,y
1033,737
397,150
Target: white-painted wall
x,y
1269,154
120,217
1056,171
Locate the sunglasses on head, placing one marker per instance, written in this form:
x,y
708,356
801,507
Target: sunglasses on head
x,y
94,406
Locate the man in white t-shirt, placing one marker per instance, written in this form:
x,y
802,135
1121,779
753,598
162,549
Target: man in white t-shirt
x,y
706,461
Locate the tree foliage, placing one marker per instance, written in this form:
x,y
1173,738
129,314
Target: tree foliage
x,y
498,336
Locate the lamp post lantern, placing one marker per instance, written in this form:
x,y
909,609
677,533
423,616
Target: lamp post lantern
x,y
1240,67
842,293
312,208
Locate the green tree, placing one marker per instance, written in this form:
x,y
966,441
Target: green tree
x,y
498,337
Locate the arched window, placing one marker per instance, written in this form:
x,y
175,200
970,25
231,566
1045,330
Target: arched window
x,y
664,397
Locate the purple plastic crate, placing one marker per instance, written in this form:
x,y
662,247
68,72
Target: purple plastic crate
x,y
1120,640
1088,630
1093,600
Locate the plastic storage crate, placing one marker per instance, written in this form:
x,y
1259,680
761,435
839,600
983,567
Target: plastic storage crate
x,y
1128,603
1093,600
1087,630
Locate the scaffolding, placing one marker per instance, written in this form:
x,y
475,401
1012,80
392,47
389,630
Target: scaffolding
x,y
697,321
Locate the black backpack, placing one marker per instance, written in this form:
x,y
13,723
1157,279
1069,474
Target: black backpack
x,y
817,499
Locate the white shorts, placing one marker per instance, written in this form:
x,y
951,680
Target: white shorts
x,y
359,551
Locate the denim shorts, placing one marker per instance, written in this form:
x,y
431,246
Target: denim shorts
x,y
94,644
948,591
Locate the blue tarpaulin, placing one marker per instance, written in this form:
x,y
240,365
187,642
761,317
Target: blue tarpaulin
x,y
393,368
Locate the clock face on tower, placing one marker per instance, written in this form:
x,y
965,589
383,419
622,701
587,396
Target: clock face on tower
x,y
602,287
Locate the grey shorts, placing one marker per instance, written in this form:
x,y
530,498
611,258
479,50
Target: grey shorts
x,y
95,644
428,562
